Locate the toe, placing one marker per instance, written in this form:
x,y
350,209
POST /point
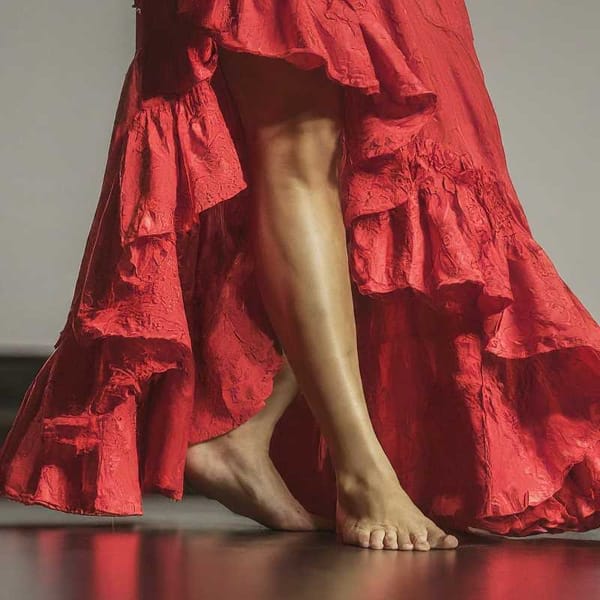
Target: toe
x,y
404,542
376,539
390,541
436,537
360,537
419,540
450,541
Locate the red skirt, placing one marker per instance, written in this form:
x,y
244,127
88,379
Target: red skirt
x,y
480,367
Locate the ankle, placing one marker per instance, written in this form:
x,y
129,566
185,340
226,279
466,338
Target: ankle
x,y
371,478
366,472
239,441
251,436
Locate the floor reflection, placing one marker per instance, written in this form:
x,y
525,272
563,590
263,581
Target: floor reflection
x,y
165,559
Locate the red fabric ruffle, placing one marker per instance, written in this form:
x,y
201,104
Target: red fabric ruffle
x,y
480,366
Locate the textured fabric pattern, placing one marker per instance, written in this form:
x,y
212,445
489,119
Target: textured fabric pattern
x,y
481,368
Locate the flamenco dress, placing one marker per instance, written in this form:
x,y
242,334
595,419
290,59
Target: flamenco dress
x,y
480,366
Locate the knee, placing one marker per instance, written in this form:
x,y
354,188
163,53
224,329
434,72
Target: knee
x,y
291,117
304,146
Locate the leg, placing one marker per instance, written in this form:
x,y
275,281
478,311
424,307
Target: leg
x,y
292,123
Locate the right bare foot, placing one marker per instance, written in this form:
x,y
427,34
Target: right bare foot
x,y
374,511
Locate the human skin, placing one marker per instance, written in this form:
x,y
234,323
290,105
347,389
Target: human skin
x,y
292,120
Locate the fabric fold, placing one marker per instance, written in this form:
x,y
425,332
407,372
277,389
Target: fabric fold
x,y
480,366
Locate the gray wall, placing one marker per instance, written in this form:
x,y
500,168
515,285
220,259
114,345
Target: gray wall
x,y
62,65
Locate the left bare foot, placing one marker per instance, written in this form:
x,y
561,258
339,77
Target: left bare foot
x,y
236,470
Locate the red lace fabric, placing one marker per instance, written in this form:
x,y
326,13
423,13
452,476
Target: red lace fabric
x,y
480,366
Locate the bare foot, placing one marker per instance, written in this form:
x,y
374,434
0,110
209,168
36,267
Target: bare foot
x,y
373,511
236,470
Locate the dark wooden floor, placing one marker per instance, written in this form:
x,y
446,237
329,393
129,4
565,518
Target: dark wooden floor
x,y
197,549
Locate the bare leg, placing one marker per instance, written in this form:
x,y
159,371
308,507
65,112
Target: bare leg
x,y
292,123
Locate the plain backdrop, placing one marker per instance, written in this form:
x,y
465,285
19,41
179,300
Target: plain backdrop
x,y
62,64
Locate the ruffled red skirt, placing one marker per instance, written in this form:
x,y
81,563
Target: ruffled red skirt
x,y
480,367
